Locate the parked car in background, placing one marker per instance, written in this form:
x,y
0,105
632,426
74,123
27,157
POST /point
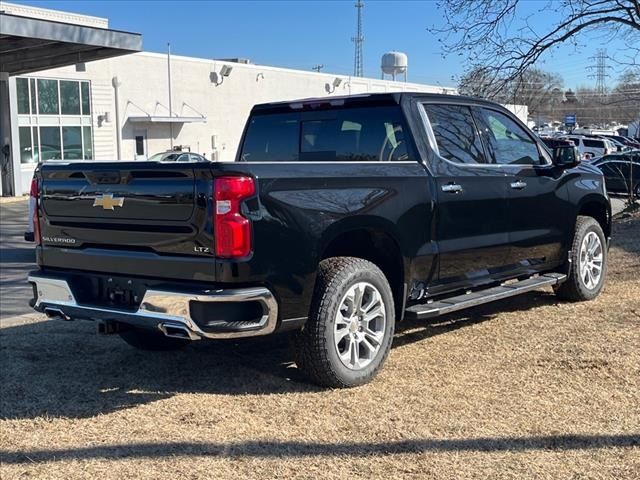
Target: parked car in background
x,y
552,142
621,147
590,147
621,171
177,156
633,144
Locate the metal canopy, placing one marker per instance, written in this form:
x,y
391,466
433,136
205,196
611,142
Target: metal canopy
x,y
167,119
32,44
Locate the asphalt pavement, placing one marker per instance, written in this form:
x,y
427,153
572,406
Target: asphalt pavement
x,y
17,258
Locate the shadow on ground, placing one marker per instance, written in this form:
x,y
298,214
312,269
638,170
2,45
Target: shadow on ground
x,y
293,449
57,368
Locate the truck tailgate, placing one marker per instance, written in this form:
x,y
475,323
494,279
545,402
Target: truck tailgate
x,y
143,206
80,192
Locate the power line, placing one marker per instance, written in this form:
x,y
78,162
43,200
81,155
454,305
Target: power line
x,y
600,71
358,40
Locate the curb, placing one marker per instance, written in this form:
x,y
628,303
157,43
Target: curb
x,y
26,319
4,200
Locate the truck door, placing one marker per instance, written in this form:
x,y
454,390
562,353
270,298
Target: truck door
x,y
539,206
471,209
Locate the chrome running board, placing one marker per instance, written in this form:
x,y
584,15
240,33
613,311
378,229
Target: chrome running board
x,y
447,305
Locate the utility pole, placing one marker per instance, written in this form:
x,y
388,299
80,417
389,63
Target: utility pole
x,y
317,67
358,40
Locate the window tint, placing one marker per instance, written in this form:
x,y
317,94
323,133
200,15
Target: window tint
x,y
593,143
508,142
455,133
347,135
272,138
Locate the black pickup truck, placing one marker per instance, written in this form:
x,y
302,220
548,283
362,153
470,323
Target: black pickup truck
x,y
339,218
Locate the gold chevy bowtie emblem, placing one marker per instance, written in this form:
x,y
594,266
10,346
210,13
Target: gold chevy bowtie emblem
x,y
107,202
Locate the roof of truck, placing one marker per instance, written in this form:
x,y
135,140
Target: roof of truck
x,y
365,99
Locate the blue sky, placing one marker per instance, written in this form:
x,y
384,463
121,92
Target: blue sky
x,y
301,34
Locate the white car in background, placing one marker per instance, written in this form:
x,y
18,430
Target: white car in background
x,y
590,147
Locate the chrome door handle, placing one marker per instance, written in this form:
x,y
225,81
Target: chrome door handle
x,y
452,188
519,185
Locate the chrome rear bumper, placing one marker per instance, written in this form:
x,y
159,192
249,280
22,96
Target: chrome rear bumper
x,y
167,311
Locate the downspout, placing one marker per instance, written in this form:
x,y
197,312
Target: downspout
x,y
170,100
116,84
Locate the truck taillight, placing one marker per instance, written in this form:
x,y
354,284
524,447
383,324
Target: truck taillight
x,y
34,193
232,231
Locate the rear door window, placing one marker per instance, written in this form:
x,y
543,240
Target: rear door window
x,y
455,133
593,143
508,143
343,135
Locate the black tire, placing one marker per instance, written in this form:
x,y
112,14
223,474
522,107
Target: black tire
x,y
636,191
574,288
315,351
146,339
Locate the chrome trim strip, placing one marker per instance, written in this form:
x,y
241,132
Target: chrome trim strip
x,y
165,306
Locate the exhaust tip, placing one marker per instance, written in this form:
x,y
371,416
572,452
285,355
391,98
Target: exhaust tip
x,y
175,330
56,314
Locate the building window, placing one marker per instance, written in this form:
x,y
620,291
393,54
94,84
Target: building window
x,y
22,88
68,138
88,143
72,143
139,145
85,95
26,146
70,97
48,103
32,94
50,143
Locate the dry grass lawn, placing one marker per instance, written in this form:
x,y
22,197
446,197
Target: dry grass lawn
x,y
526,388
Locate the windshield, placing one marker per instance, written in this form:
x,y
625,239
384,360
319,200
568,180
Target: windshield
x,y
164,157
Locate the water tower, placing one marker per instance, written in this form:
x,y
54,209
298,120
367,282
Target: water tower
x,y
394,63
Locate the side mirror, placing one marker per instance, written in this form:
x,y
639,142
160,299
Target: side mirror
x,y
566,156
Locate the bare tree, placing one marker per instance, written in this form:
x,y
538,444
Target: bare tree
x,y
484,32
539,90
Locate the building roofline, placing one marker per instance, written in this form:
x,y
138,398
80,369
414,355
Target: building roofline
x,y
259,67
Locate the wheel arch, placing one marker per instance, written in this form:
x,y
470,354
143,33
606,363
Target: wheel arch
x,y
377,243
599,209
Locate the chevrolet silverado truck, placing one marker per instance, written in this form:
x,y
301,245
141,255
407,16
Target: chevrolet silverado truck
x,y
340,217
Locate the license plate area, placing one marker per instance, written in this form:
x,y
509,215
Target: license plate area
x,y
120,293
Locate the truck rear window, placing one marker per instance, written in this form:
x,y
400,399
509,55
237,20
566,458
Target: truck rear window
x,y
346,135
